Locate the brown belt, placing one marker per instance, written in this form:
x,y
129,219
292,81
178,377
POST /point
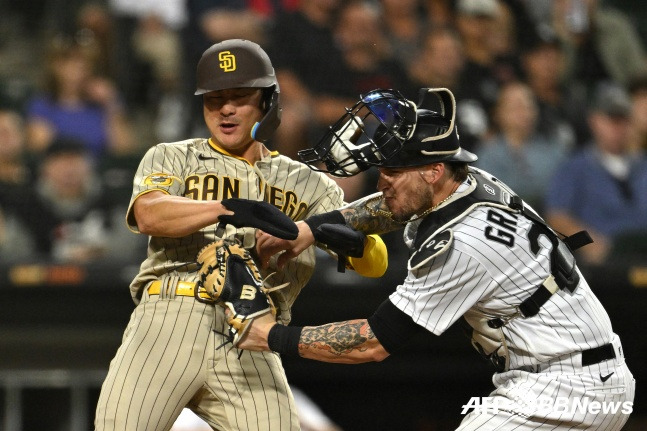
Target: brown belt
x,y
183,288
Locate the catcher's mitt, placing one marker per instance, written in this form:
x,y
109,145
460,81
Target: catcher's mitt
x,y
231,278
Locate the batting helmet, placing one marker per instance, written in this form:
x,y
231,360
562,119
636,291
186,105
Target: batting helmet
x,y
385,129
238,63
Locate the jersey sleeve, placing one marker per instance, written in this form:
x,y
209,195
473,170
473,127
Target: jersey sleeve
x,y
160,169
330,199
438,293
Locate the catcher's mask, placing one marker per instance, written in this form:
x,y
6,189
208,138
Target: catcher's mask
x,y
238,63
385,129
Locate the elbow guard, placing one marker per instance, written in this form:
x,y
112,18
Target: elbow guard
x,y
375,259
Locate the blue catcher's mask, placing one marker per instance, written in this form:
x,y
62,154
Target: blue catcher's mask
x,y
386,129
350,147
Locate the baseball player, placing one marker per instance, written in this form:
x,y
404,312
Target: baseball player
x,y
479,254
174,352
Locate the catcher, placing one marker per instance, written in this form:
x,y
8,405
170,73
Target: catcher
x,y
201,201
479,254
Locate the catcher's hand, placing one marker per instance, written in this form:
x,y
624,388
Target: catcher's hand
x,y
231,278
341,239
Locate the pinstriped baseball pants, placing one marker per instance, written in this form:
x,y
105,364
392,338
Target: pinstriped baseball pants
x,y
575,396
169,360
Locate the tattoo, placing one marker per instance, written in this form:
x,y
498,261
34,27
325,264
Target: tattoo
x,y
337,338
370,215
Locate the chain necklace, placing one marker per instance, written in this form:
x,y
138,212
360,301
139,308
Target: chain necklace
x,y
389,214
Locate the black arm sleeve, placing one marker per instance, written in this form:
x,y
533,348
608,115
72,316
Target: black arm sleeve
x,y
392,327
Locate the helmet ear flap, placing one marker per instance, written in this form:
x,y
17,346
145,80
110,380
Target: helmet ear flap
x,y
263,130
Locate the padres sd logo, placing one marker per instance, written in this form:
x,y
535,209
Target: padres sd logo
x,y
227,61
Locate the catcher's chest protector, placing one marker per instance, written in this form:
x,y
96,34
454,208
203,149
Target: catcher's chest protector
x,y
435,236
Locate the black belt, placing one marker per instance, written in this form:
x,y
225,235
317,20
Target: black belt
x,y
598,354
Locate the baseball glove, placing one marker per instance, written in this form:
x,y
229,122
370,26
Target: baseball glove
x,y
229,275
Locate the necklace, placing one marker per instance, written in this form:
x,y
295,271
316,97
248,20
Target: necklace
x,y
380,212
427,211
441,202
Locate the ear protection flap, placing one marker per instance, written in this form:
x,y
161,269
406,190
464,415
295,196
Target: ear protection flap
x,y
263,130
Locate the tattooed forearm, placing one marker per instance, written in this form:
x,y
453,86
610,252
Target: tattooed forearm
x,y
370,215
337,338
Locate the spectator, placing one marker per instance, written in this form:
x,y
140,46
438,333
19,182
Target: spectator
x,y
603,188
366,65
601,44
504,42
404,27
560,119
308,107
148,59
439,13
95,26
440,65
14,245
479,86
14,171
77,104
15,178
219,20
539,11
523,20
367,62
317,85
517,154
491,31
66,216
440,61
638,92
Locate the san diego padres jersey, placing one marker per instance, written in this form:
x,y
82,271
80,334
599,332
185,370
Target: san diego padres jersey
x,y
483,268
199,169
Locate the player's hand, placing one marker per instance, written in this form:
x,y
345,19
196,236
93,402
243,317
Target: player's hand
x,y
268,245
256,336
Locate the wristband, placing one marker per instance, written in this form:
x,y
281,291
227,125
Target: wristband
x,y
332,217
284,339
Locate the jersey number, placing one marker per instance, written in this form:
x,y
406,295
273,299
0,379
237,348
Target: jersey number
x,y
504,229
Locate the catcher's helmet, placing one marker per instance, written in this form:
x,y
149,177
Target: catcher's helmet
x,y
385,129
238,63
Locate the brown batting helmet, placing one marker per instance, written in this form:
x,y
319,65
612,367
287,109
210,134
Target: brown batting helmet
x,y
238,63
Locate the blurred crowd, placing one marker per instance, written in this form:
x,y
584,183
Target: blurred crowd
x,y
551,95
